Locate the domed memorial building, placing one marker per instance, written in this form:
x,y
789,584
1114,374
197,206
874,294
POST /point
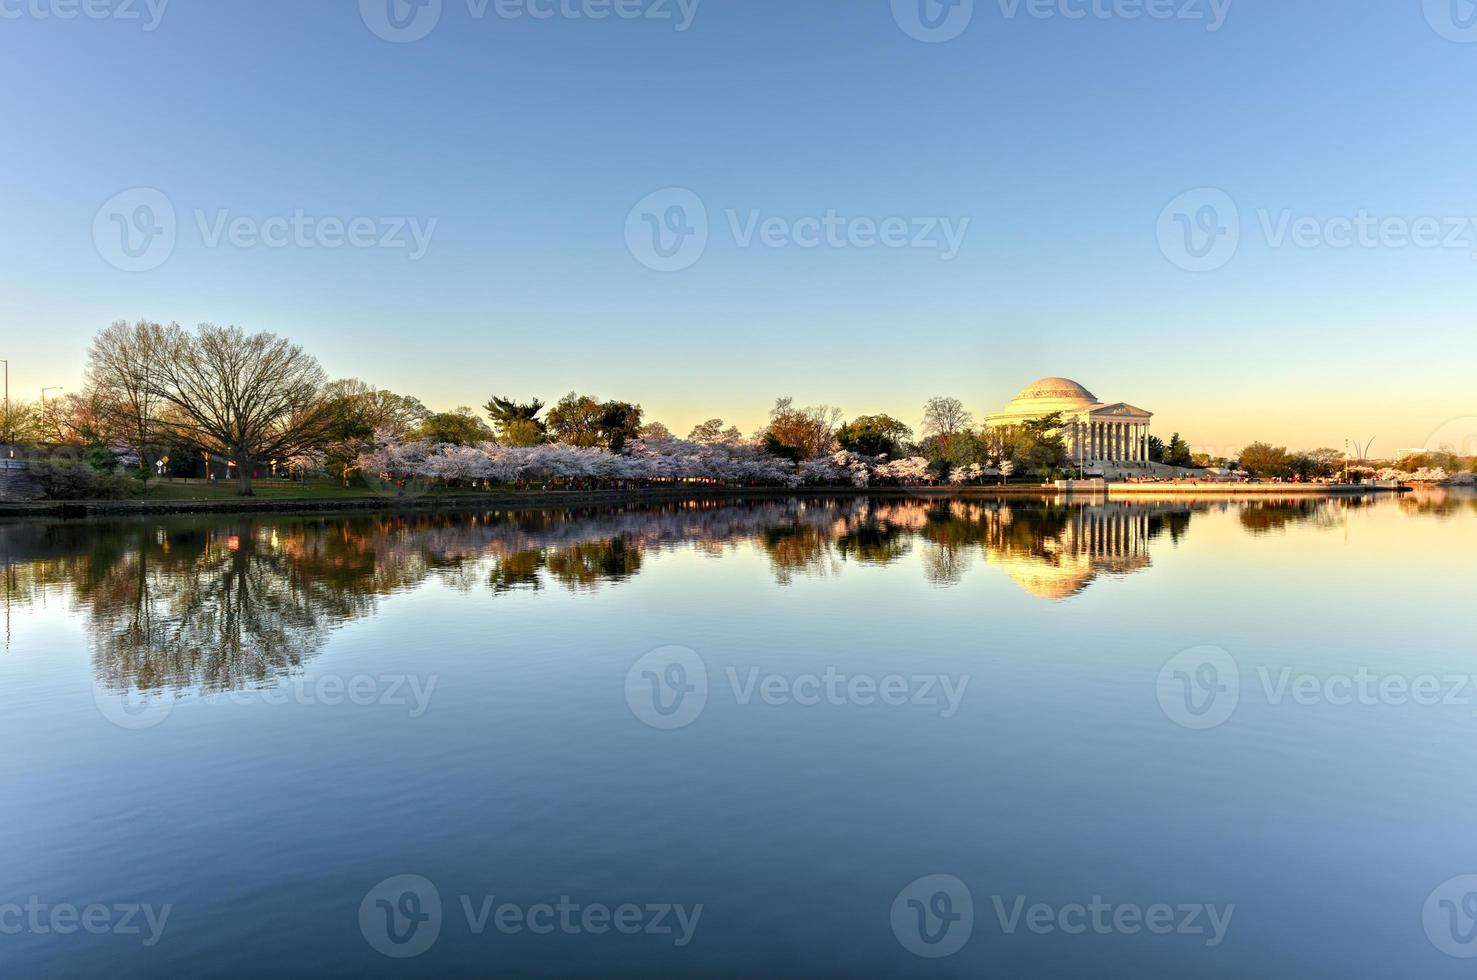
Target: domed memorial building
x,y
1098,435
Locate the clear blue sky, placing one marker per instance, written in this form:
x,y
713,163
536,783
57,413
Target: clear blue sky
x,y
529,141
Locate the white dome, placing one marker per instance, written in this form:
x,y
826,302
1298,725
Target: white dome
x,y
1055,390
1050,395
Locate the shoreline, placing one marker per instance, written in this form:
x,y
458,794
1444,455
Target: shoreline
x,y
1253,489
539,499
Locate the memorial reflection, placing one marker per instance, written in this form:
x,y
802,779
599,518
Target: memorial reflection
x,y
218,604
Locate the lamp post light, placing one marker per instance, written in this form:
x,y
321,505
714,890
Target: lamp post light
x,y
45,390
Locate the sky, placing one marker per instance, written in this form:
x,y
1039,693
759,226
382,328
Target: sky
x,y
1256,219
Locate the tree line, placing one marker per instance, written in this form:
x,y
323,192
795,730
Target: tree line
x,y
157,398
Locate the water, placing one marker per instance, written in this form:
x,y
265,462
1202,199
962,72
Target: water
x,y
264,723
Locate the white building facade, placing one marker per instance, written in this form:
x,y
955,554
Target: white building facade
x,y
1098,434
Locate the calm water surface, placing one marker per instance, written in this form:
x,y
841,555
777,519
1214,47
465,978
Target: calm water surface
x,y
789,738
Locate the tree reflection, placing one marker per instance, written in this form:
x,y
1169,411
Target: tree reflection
x,y
217,604
1267,516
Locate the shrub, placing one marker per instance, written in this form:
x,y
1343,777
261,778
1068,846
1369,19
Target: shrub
x,y
65,479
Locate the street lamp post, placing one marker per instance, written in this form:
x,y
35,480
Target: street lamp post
x,y
45,390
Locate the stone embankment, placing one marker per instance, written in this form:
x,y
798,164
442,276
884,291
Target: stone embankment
x,y
16,481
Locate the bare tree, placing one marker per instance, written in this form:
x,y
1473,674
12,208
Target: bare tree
x,y
70,420
18,423
945,417
251,397
123,374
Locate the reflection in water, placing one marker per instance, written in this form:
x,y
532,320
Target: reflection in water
x,y
224,603
1266,516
